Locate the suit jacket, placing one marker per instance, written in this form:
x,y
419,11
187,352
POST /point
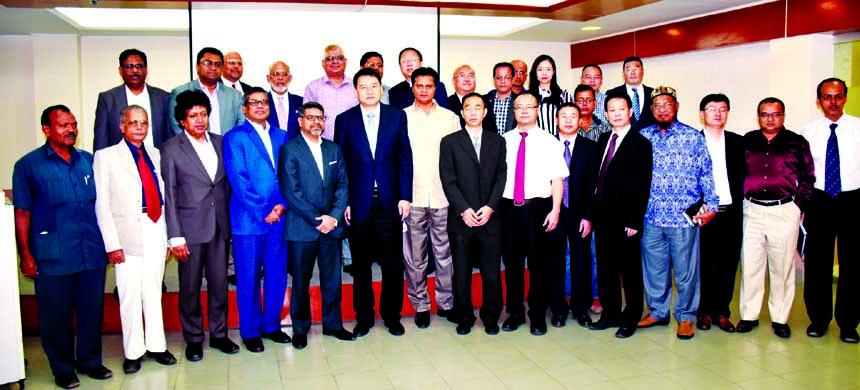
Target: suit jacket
x,y
229,103
627,185
390,166
490,119
106,130
193,203
401,95
119,198
253,178
581,181
294,102
646,118
309,194
736,166
456,106
468,183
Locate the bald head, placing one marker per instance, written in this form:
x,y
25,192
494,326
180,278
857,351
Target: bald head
x,y
464,80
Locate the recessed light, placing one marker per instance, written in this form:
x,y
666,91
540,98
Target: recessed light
x,y
591,28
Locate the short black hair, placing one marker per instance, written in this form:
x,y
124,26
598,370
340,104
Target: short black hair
x,y
308,105
820,85
188,100
714,98
770,100
420,57
251,91
632,59
568,104
595,66
367,56
583,88
617,95
366,72
209,50
425,71
131,52
474,94
503,65
46,113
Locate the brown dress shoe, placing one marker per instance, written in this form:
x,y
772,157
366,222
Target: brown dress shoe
x,y
685,330
649,321
726,324
704,322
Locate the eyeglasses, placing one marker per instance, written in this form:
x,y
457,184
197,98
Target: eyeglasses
x,y
280,74
584,101
211,64
314,118
134,66
714,110
664,106
771,115
234,62
137,123
258,103
334,58
524,108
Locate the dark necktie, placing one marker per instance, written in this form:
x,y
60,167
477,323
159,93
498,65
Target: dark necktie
x,y
636,106
604,167
832,175
566,179
520,173
150,191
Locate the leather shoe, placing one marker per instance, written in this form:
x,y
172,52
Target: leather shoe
x,y
491,329
340,334
815,331
68,381
231,279
464,329
300,340
224,344
685,330
725,324
99,372
164,358
131,366
395,328
745,326
602,324
194,352
849,336
278,336
584,320
558,321
254,344
704,322
781,330
625,332
649,321
422,319
538,329
361,330
444,313
513,322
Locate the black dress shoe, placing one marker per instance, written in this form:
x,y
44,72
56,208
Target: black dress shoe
x,y
422,319
816,331
224,344
131,366
745,326
340,334
348,269
164,358
491,329
781,330
625,332
584,320
849,336
68,381
513,322
99,372
464,329
602,324
300,340
194,352
558,321
444,313
361,330
395,328
231,279
277,336
537,329
254,344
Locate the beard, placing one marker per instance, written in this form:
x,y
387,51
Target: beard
x,y
279,90
664,125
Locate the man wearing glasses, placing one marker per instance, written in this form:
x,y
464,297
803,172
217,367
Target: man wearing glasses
x,y
283,104
232,71
334,91
209,64
134,90
521,74
779,182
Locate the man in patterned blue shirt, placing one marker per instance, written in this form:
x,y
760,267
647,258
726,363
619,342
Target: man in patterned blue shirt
x,y
682,175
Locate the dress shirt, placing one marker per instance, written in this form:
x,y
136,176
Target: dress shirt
x,y
475,135
142,100
597,128
547,111
237,85
372,132
681,175
544,162
284,100
133,149
384,99
427,130
621,134
778,168
316,151
599,109
641,91
335,99
263,133
717,150
60,197
848,138
500,110
215,119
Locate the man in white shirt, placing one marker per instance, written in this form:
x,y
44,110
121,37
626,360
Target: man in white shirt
x,y
225,101
464,84
640,94
232,71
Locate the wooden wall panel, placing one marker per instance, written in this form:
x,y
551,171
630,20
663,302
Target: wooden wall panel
x,y
601,51
812,16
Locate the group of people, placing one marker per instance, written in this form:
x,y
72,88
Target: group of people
x,y
596,188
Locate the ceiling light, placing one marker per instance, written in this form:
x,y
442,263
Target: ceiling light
x,y
484,26
591,28
125,18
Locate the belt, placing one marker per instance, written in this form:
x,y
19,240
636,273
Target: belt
x,y
768,203
529,201
722,208
143,209
375,192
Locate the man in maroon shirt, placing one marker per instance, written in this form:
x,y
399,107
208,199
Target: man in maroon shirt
x,y
778,185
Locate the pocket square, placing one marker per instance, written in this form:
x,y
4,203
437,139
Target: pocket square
x,y
332,162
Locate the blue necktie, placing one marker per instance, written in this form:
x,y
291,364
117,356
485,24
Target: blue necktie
x,y
566,161
832,177
636,106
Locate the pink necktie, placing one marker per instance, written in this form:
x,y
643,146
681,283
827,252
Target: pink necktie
x,y
520,175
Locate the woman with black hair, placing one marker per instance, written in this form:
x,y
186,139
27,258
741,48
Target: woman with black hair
x,y
544,85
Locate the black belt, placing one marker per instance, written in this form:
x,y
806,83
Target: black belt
x,y
375,192
529,201
143,209
722,208
768,203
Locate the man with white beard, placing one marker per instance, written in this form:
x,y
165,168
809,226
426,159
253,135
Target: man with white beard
x,y
282,104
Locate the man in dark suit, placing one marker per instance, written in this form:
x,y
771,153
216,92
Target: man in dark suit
x,y
375,145
639,94
134,90
401,95
282,104
500,102
232,71
196,195
312,177
622,163
720,241
574,224
473,171
464,84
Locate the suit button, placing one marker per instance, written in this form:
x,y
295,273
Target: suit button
x,y
212,204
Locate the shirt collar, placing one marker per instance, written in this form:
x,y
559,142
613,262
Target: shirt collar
x,y
142,92
375,111
133,148
73,151
473,132
258,128
342,82
190,138
311,142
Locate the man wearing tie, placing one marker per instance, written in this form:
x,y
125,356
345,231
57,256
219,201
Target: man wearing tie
x,y
639,94
375,144
282,103
232,72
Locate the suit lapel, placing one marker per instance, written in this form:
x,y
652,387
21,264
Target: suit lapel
x,y
126,159
578,156
620,149
258,142
305,150
466,143
186,147
218,144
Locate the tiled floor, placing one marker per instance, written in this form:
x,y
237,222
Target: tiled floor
x,y
436,358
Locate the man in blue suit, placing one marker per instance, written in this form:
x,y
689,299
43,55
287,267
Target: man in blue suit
x,y
256,206
312,175
226,102
282,104
375,144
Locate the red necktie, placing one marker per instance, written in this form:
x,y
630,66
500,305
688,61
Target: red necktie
x,y
520,173
150,191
